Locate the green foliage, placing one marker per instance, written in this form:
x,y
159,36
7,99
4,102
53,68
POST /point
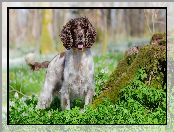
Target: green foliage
x,y
151,98
151,58
137,104
23,81
104,65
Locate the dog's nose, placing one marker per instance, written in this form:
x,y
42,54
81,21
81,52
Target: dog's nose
x,y
80,35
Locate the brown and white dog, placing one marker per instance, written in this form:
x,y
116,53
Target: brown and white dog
x,y
70,74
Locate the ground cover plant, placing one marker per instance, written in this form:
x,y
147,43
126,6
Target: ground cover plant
x,y
130,89
138,104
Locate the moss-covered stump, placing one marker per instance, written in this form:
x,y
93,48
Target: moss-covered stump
x,y
158,39
151,58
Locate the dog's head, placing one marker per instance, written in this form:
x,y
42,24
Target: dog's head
x,y
78,33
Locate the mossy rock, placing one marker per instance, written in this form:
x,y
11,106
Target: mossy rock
x,y
151,58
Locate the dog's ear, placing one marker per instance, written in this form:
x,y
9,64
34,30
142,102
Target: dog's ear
x,y
90,34
66,36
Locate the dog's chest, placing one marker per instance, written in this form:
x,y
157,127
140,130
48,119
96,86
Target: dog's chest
x,y
78,70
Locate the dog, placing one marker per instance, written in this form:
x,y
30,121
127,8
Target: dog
x,y
70,75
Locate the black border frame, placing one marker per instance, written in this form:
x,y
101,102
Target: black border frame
x,y
8,8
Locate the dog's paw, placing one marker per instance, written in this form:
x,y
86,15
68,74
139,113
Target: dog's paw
x,y
38,106
82,111
42,105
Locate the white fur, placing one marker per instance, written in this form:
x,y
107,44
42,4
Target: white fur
x,y
70,77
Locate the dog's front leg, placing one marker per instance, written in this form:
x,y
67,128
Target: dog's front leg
x,y
65,99
89,96
90,92
90,81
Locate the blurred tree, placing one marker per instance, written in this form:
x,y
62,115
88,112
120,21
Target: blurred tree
x,y
134,22
104,16
120,27
56,22
46,42
155,20
41,28
12,27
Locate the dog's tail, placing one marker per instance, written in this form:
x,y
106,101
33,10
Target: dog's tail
x,y
35,66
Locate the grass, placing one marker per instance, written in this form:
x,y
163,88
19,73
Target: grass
x,y
137,104
25,82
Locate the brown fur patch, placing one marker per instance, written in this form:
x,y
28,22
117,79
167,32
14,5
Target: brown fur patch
x,y
65,102
62,54
36,66
45,64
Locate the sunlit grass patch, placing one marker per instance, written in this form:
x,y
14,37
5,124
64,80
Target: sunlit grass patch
x,y
24,81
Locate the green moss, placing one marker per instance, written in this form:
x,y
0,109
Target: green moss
x,y
159,34
162,42
151,58
159,38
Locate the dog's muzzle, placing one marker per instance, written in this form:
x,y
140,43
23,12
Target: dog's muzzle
x,y
80,46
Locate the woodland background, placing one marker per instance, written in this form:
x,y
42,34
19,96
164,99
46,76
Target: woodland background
x,y
37,30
